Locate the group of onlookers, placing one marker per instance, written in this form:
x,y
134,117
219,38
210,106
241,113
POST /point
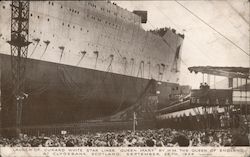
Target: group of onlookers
x,y
139,138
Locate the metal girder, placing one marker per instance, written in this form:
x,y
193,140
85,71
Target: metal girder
x,y
230,72
19,49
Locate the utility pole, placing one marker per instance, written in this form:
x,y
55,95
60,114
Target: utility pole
x,y
134,121
19,50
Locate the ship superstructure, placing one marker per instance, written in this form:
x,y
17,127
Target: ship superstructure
x,y
62,32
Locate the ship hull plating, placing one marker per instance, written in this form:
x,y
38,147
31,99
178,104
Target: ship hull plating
x,y
58,93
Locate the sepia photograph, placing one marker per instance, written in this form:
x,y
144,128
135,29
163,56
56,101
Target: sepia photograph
x,y
125,78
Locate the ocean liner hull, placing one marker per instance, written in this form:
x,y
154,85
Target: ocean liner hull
x,y
87,60
58,93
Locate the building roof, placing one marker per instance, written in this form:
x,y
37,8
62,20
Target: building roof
x,y
230,72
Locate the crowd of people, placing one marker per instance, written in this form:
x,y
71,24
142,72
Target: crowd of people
x,y
139,138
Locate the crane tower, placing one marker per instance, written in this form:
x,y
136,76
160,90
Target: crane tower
x,y
19,49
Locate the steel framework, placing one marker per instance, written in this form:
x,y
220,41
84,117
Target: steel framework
x,y
19,49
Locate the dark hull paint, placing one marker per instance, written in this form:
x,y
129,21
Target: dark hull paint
x,y
65,94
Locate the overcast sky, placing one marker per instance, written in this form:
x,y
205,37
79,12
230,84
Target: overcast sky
x,y
202,45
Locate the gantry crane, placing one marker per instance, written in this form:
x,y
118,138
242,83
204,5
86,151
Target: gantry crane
x,y
19,49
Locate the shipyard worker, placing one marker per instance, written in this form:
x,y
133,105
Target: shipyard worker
x,y
201,85
206,86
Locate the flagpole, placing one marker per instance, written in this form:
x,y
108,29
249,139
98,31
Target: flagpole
x,y
134,119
